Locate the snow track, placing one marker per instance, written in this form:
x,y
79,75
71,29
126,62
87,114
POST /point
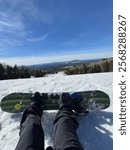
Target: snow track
x,y
95,131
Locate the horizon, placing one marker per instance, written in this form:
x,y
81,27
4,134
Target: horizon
x,y
61,61
49,60
71,61
44,31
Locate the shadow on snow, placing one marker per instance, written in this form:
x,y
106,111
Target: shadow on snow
x,y
93,131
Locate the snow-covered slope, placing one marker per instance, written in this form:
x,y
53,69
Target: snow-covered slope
x,y
95,131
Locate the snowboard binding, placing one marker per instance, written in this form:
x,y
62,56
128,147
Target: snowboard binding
x,y
74,102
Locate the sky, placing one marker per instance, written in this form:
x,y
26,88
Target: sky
x,y
42,31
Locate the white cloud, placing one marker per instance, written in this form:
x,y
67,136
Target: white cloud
x,y
6,24
37,39
9,23
15,17
74,41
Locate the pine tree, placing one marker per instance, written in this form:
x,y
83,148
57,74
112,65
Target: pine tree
x,y
2,70
8,72
24,72
84,69
15,72
96,68
105,66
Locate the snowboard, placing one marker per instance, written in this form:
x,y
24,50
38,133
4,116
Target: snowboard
x,y
92,101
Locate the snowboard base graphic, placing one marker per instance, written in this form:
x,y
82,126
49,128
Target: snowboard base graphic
x,y
92,101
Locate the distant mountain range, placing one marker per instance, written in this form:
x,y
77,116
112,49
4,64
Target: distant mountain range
x,y
63,64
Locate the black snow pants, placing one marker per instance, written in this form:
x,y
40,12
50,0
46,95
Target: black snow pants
x,y
65,136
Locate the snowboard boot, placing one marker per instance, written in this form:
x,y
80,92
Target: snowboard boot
x,y
72,101
37,103
49,148
35,108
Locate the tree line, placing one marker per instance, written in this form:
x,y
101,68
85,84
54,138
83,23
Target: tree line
x,y
103,66
9,72
17,72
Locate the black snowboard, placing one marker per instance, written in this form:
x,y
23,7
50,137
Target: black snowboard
x,y
92,101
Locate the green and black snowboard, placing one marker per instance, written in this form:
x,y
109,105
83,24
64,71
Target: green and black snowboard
x,y
92,101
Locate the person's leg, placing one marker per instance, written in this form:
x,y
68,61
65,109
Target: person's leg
x,y
65,136
31,132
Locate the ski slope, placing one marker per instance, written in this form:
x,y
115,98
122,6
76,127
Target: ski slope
x,y
95,131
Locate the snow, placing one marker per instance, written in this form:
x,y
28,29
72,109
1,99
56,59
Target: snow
x,y
95,130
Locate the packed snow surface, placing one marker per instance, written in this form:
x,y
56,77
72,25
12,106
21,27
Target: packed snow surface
x,y
95,130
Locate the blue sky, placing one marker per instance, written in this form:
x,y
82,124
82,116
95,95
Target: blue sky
x,y
40,31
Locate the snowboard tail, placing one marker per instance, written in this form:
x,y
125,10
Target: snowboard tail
x,y
17,102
